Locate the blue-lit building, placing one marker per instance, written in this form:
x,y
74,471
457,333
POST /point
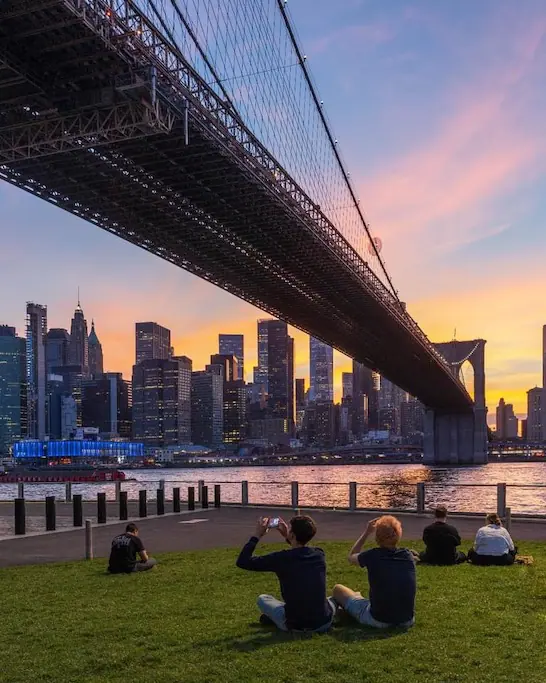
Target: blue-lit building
x,y
118,451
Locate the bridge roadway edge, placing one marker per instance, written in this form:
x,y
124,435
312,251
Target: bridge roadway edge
x,y
228,527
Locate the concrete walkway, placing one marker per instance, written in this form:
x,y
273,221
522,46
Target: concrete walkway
x,y
226,527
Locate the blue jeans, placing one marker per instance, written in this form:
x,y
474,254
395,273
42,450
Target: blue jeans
x,y
274,609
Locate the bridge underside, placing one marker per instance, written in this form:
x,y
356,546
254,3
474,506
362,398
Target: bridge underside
x,y
174,181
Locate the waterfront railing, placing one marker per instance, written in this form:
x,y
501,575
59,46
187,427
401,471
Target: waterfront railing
x,y
137,499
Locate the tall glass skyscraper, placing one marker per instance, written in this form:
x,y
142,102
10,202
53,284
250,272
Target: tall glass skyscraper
x,y
79,341
321,387
207,407
36,325
57,348
233,345
155,402
13,389
153,342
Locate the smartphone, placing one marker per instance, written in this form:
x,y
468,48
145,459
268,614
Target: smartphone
x,y
273,523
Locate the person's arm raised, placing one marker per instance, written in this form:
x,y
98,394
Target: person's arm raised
x,y
357,547
265,563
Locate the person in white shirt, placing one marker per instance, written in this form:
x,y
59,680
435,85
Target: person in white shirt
x,y
493,544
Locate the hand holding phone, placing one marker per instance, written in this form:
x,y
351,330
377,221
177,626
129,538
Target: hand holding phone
x,y
273,522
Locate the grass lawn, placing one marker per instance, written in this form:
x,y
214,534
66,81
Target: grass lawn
x,y
194,619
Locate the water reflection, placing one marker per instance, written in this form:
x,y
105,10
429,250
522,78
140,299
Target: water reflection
x,y
465,489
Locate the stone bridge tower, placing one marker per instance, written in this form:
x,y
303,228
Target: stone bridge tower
x,y
459,439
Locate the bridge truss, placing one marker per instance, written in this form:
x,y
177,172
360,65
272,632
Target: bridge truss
x,y
103,114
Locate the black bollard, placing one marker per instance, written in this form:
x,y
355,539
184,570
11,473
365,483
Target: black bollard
x,y
191,498
216,495
20,518
205,497
101,508
50,513
142,504
77,509
160,501
123,514
176,499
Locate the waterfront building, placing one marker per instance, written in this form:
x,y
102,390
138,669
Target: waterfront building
x,y
36,331
96,363
412,415
234,398
54,395
78,449
346,384
184,398
261,373
107,404
321,385
13,388
70,412
536,405
57,348
320,424
233,345
207,409
155,402
506,421
78,353
72,376
152,342
365,399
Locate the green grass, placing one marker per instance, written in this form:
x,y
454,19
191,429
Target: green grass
x,y
194,619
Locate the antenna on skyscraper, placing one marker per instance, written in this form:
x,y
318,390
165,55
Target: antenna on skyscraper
x,y
455,334
79,296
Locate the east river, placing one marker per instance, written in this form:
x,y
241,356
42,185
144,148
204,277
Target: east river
x,y
463,489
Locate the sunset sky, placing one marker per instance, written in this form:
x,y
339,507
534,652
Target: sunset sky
x,y
439,109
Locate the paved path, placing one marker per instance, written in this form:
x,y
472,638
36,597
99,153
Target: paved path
x,y
226,527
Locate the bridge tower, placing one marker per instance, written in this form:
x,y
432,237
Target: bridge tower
x,y
459,438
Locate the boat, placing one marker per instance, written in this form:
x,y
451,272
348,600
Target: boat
x,y
58,474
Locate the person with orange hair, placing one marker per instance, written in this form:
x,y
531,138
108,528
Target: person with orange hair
x,y
391,576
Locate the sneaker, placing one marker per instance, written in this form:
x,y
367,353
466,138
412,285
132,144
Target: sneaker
x,y
266,621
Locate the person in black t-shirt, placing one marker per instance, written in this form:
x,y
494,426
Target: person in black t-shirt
x,y
123,554
302,576
391,575
441,540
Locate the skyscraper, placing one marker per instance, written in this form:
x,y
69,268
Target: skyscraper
x,y
152,342
291,405
96,365
507,423
155,402
277,368
321,385
300,393
13,388
79,345
72,378
57,348
234,345
544,356
107,403
536,405
36,327
207,409
347,384
261,376
184,398
364,400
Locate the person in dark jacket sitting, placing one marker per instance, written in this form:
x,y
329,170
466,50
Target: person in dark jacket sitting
x,y
441,540
302,576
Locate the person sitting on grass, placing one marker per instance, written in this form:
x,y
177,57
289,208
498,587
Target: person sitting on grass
x,y
493,544
124,550
391,575
302,576
441,540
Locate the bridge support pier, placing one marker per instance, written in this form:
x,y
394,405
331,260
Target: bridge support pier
x,y
455,439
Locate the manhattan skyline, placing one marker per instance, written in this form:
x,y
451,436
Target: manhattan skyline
x,y
447,164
